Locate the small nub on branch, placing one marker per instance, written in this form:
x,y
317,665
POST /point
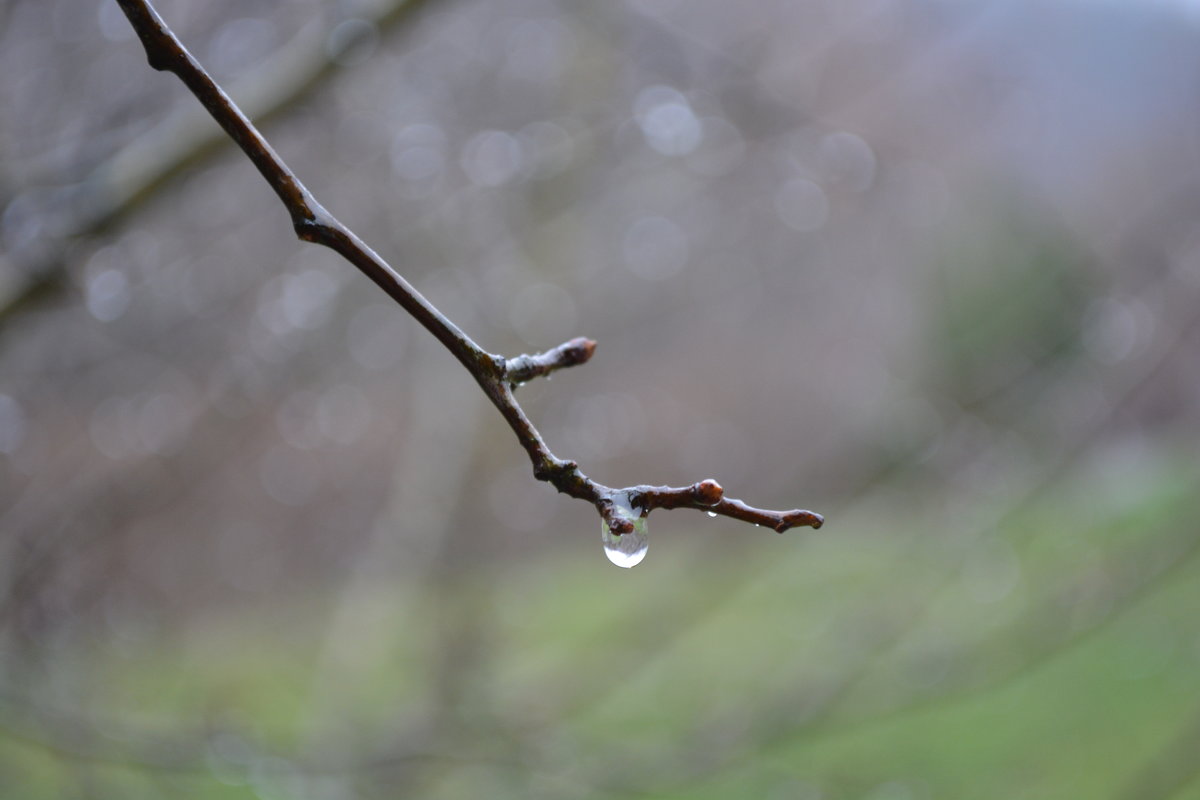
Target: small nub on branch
x,y
568,354
708,492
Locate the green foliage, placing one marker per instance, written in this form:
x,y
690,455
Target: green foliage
x,y
1011,297
1051,655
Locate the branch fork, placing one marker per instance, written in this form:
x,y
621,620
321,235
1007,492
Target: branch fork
x,y
497,376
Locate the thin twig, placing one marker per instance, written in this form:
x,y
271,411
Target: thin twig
x,y
496,375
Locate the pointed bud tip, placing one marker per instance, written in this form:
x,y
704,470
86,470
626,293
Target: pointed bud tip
x,y
800,519
578,351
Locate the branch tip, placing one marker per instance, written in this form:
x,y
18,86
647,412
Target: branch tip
x,y
523,368
799,519
578,351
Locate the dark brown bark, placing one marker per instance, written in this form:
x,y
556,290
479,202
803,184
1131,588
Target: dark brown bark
x,y
496,375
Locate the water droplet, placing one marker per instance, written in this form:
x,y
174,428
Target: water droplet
x,y
627,549
711,513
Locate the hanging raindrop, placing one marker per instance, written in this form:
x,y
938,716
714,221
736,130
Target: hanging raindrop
x,y
626,549
711,513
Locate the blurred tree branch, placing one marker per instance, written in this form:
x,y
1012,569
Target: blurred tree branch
x,y
497,376
127,179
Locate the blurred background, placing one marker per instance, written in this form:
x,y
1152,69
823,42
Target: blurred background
x,y
928,267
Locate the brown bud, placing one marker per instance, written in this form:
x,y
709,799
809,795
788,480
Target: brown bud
x,y
577,351
708,492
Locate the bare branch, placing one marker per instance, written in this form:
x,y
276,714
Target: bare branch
x,y
709,496
496,375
